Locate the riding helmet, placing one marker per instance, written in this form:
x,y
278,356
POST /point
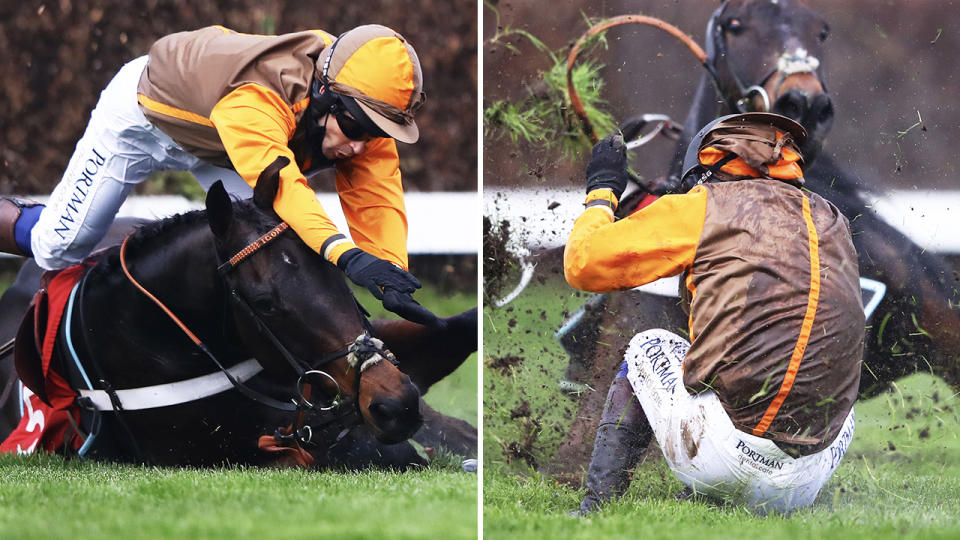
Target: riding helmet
x,y
373,73
695,173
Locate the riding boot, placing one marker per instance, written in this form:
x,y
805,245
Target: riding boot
x,y
622,437
17,219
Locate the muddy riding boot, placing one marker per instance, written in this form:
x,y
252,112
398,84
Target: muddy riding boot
x,y
622,437
17,219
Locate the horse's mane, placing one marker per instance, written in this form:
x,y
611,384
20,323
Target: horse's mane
x,y
243,210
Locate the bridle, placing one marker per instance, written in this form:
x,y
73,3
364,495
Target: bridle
x,y
364,352
740,98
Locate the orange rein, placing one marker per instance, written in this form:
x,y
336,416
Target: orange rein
x,y
578,107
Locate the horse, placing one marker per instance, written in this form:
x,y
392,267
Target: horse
x,y
916,325
236,291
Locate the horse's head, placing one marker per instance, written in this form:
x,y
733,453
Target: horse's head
x,y
767,56
294,312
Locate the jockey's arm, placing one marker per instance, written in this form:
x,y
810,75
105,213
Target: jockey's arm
x,y
658,241
371,195
255,126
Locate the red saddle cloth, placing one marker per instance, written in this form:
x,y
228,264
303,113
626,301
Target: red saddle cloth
x,y
47,401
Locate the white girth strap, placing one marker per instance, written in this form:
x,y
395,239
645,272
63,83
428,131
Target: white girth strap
x,y
165,395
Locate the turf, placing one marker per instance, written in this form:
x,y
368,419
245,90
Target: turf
x,y
900,478
46,497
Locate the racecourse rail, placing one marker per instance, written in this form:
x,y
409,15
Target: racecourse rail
x,y
439,222
543,218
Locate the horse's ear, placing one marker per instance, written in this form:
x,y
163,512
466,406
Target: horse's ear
x,y
219,209
268,182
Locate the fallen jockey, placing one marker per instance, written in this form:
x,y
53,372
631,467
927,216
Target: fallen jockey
x,y
757,407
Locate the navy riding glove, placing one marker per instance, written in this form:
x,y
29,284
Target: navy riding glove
x,y
608,165
388,283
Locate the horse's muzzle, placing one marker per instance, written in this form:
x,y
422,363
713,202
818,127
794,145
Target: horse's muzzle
x,y
396,419
813,111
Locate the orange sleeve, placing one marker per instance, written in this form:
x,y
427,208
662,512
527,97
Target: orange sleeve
x,y
371,194
659,241
255,126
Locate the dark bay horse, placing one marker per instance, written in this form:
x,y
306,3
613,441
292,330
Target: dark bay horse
x,y
276,301
916,326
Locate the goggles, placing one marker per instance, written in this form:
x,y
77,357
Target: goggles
x,y
350,127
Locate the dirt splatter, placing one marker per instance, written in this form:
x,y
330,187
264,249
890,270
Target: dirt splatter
x,y
521,411
497,261
524,449
504,364
924,433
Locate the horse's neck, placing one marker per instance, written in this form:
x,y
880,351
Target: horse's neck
x,y
179,267
707,105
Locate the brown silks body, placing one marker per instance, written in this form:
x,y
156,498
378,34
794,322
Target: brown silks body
x,y
771,284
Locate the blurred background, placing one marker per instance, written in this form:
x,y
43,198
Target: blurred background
x,y
57,55
884,62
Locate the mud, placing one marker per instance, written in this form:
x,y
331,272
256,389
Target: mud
x,y
498,263
504,364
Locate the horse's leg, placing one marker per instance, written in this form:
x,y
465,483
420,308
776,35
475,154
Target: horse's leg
x,y
451,433
428,355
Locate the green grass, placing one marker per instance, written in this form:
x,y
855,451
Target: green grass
x,y
525,329
46,497
900,478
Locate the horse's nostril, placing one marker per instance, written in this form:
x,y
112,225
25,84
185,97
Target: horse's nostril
x,y
380,411
826,113
793,105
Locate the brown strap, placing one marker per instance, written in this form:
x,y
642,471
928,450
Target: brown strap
x,y
258,243
291,447
126,271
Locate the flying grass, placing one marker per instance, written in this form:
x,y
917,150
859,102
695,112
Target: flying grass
x,y
545,117
900,477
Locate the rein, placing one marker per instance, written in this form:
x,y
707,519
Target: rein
x,y
363,353
716,48
575,101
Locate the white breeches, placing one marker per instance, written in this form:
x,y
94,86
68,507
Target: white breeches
x,y
119,149
705,450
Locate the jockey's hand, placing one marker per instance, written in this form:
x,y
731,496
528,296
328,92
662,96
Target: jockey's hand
x,y
388,283
608,165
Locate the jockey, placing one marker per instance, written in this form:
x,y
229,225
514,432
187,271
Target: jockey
x,y
757,407
224,105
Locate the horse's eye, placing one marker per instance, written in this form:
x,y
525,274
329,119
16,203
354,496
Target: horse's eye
x,y
265,306
735,26
824,33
